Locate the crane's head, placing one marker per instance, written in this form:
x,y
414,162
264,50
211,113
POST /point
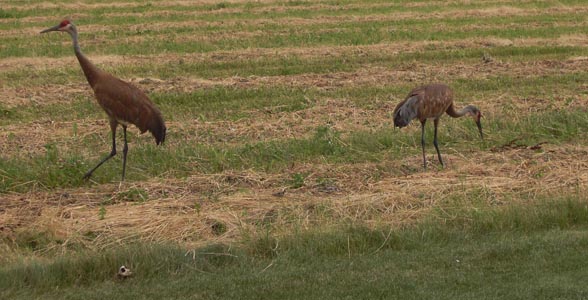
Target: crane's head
x,y
65,25
476,114
405,112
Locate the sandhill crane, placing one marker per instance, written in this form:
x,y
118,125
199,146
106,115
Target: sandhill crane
x,y
124,103
430,102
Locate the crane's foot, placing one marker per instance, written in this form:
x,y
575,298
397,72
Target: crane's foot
x,y
441,162
121,185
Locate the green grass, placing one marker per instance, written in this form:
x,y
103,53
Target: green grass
x,y
522,251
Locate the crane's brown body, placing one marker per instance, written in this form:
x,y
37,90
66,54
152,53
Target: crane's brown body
x,y
431,102
124,103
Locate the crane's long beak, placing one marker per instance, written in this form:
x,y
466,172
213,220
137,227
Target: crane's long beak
x,y
480,128
54,28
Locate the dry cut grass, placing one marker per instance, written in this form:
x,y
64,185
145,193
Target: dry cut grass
x,y
230,206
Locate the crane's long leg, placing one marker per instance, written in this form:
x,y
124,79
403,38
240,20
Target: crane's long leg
x,y
435,143
423,142
125,150
113,125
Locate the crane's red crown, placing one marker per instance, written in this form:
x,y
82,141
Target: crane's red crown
x,y
64,23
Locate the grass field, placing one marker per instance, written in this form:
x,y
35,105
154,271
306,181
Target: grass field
x,y
282,176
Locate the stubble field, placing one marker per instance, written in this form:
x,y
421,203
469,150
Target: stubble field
x,y
279,117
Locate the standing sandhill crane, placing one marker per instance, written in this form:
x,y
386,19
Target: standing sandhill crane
x,y
124,103
430,102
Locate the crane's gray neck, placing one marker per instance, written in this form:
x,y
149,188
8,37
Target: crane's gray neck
x,y
469,109
74,37
90,71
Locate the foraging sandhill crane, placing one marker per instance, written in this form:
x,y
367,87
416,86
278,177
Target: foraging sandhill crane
x,y
124,103
430,102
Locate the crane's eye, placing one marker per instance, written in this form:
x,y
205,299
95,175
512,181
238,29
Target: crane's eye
x,y
64,23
